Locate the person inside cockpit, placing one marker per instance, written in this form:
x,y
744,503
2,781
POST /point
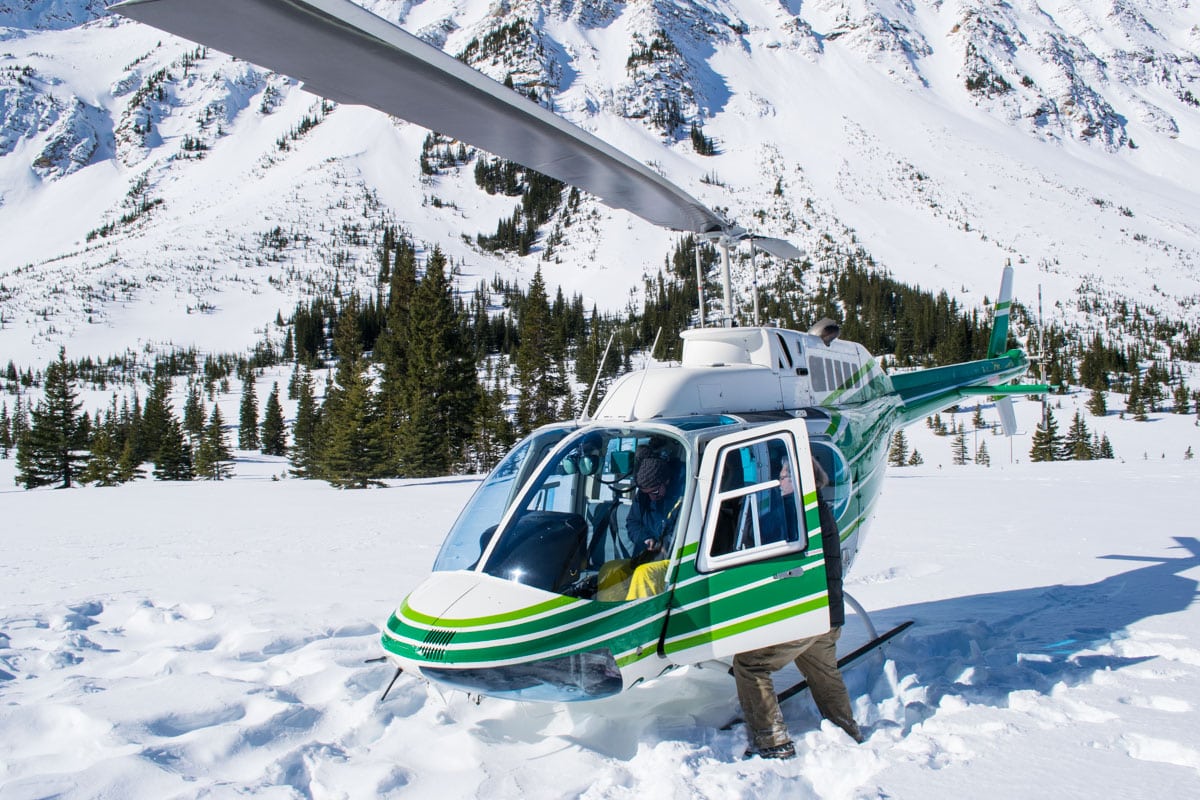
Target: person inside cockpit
x,y
650,526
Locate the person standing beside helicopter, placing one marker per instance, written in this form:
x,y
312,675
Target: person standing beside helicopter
x,y
650,526
815,656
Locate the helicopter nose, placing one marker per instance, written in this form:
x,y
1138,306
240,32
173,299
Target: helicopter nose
x,y
490,636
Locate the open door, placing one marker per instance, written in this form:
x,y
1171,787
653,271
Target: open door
x,y
754,574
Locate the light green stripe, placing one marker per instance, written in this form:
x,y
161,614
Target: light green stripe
x,y
495,619
714,634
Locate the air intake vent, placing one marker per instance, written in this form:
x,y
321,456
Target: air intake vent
x,y
436,642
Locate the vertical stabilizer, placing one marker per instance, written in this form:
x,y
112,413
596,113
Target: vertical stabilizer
x,y
996,344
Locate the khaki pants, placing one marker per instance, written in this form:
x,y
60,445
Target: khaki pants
x,y
816,657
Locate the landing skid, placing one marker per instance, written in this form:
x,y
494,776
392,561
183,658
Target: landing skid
x,y
843,662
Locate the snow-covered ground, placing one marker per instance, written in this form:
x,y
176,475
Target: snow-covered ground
x,y
212,639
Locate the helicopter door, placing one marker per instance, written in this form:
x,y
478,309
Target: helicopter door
x,y
752,573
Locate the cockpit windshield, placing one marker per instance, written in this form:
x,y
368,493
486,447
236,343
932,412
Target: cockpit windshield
x,y
606,496
483,512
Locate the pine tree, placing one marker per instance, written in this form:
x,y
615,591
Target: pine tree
x,y
174,459
898,454
959,449
534,374
6,437
982,458
193,413
977,418
391,349
274,429
1181,399
303,453
1077,444
915,459
155,419
52,451
352,432
1047,445
1106,450
441,390
248,415
1134,404
1097,403
493,433
214,460
354,450
103,468
128,466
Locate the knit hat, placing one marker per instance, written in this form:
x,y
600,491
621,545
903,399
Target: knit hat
x,y
653,471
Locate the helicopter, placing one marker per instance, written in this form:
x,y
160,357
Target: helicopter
x,y
524,601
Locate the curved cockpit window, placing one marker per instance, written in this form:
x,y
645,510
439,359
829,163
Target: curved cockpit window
x,y
483,512
841,481
573,518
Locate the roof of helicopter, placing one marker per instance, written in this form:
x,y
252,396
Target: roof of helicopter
x,y
722,371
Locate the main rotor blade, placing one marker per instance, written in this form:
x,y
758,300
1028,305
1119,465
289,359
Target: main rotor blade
x,y
345,53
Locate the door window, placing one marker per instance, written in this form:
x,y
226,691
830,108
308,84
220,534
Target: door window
x,y
756,510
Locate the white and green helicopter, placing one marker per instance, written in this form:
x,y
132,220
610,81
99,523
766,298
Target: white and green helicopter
x,y
522,601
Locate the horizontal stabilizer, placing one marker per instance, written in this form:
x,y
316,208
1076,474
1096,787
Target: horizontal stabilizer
x,y
1011,390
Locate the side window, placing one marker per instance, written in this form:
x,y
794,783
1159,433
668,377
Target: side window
x,y
816,371
756,509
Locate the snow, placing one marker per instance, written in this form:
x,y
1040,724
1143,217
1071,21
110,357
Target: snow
x,y
212,640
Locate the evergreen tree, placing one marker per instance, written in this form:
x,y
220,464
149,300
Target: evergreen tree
x,y
103,468
441,390
1047,445
352,433
128,466
1181,399
6,437
1077,444
155,419
52,451
1097,403
915,459
174,459
493,433
248,415
977,418
391,349
1135,404
959,449
982,458
293,387
303,453
534,374
354,450
898,454
274,429
1106,450
193,412
214,460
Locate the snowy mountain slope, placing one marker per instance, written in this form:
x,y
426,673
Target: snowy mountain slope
x,y
140,176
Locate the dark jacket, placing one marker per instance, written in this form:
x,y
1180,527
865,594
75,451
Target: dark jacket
x,y
831,544
649,519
